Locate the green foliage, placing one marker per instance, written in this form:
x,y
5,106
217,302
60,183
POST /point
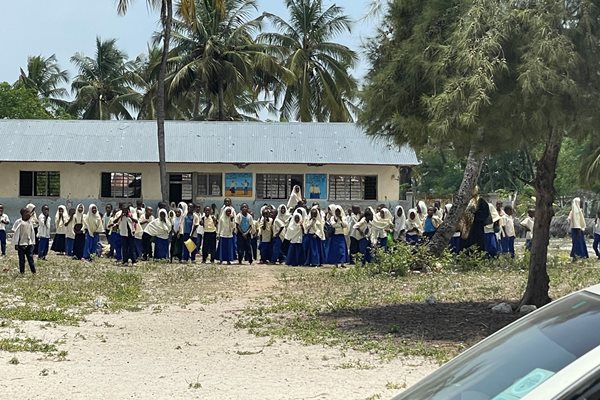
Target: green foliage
x,y
20,103
14,345
44,76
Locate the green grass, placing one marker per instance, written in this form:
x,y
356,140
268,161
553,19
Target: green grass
x,y
31,345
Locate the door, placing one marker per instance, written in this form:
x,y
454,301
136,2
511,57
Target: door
x,y
180,188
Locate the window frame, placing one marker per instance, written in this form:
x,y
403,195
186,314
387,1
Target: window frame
x,y
207,176
122,173
34,184
287,182
334,187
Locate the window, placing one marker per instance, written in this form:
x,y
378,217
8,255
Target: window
x,y
209,185
352,187
39,183
276,186
121,185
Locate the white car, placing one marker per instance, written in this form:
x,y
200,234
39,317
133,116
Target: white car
x,y
550,354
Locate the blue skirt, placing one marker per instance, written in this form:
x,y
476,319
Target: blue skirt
x,y
315,255
579,249
383,243
412,239
295,255
226,249
91,246
364,246
491,244
266,251
338,250
455,244
116,241
161,248
277,254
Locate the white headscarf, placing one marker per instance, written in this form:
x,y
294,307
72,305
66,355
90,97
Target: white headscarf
x,y
177,222
79,217
226,226
61,216
93,221
576,217
447,209
399,221
413,223
316,224
382,223
423,208
295,198
183,207
158,227
294,229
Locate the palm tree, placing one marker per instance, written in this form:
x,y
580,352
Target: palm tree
x,y
218,59
45,77
323,89
590,168
166,19
104,86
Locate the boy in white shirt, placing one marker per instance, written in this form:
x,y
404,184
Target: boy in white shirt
x,y
4,221
508,232
244,223
43,233
597,234
528,224
24,240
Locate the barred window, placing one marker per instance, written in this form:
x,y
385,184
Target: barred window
x,y
276,186
39,183
352,187
121,185
209,185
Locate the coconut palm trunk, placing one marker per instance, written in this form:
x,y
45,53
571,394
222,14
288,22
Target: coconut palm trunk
x,y
166,18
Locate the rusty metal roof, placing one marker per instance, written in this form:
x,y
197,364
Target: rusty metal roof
x,y
197,142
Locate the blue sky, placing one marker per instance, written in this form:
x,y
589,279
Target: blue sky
x,y
64,27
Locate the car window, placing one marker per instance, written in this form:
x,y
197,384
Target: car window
x,y
588,390
522,357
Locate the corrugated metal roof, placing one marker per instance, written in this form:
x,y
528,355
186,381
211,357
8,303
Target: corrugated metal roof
x,y
197,142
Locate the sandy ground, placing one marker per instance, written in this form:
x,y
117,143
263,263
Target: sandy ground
x,y
191,353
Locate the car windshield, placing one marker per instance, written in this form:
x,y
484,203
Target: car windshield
x,y
521,357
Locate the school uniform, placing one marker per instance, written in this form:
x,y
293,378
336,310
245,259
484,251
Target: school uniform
x,y
430,226
244,231
106,222
93,227
295,235
143,241
225,231
176,237
489,233
159,230
69,235
596,237
399,224
190,226
4,222
198,235
414,229
362,231
528,223
209,239
381,227
79,240
254,239
279,228
34,221
127,228
578,225
58,243
355,237
265,233
338,250
313,232
24,241
508,235
43,235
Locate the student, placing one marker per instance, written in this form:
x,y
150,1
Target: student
x,y
353,218
363,231
127,222
4,221
70,232
279,227
489,232
143,241
93,227
431,223
479,211
383,223
225,231
43,234
190,227
578,225
338,250
528,224
108,209
34,221
200,229
254,236
455,245
227,203
313,229
422,211
115,236
438,210
58,244
159,229
294,234
78,228
399,224
295,198
265,234
499,228
209,224
414,229
597,234
508,232
177,223
244,222
24,240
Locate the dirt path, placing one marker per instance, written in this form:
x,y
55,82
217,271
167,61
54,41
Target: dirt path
x,y
194,352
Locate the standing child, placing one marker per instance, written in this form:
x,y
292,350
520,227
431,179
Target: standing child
x,y
93,227
78,228
508,233
209,240
338,250
362,231
190,227
34,221
597,234
143,241
399,224
353,218
244,223
200,231
24,240
313,229
226,229
43,234
115,236
70,232
295,234
58,244
265,233
489,232
106,222
279,226
127,221
414,229
383,223
578,225
431,224
254,236
159,229
4,221
528,224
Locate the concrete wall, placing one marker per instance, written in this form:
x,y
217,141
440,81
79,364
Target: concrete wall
x,y
80,183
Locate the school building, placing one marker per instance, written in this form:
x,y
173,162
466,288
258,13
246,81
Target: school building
x,y
69,162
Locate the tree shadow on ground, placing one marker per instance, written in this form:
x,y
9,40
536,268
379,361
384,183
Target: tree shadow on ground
x,y
440,323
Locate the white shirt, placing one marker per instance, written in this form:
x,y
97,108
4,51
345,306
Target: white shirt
x,y
4,220
528,222
509,225
24,235
597,226
44,226
364,226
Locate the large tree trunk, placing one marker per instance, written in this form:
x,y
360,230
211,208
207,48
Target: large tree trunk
x,y
440,240
166,17
538,282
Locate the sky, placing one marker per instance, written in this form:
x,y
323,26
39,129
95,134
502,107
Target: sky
x,y
64,27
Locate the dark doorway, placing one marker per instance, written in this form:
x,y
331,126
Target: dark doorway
x,y
180,188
